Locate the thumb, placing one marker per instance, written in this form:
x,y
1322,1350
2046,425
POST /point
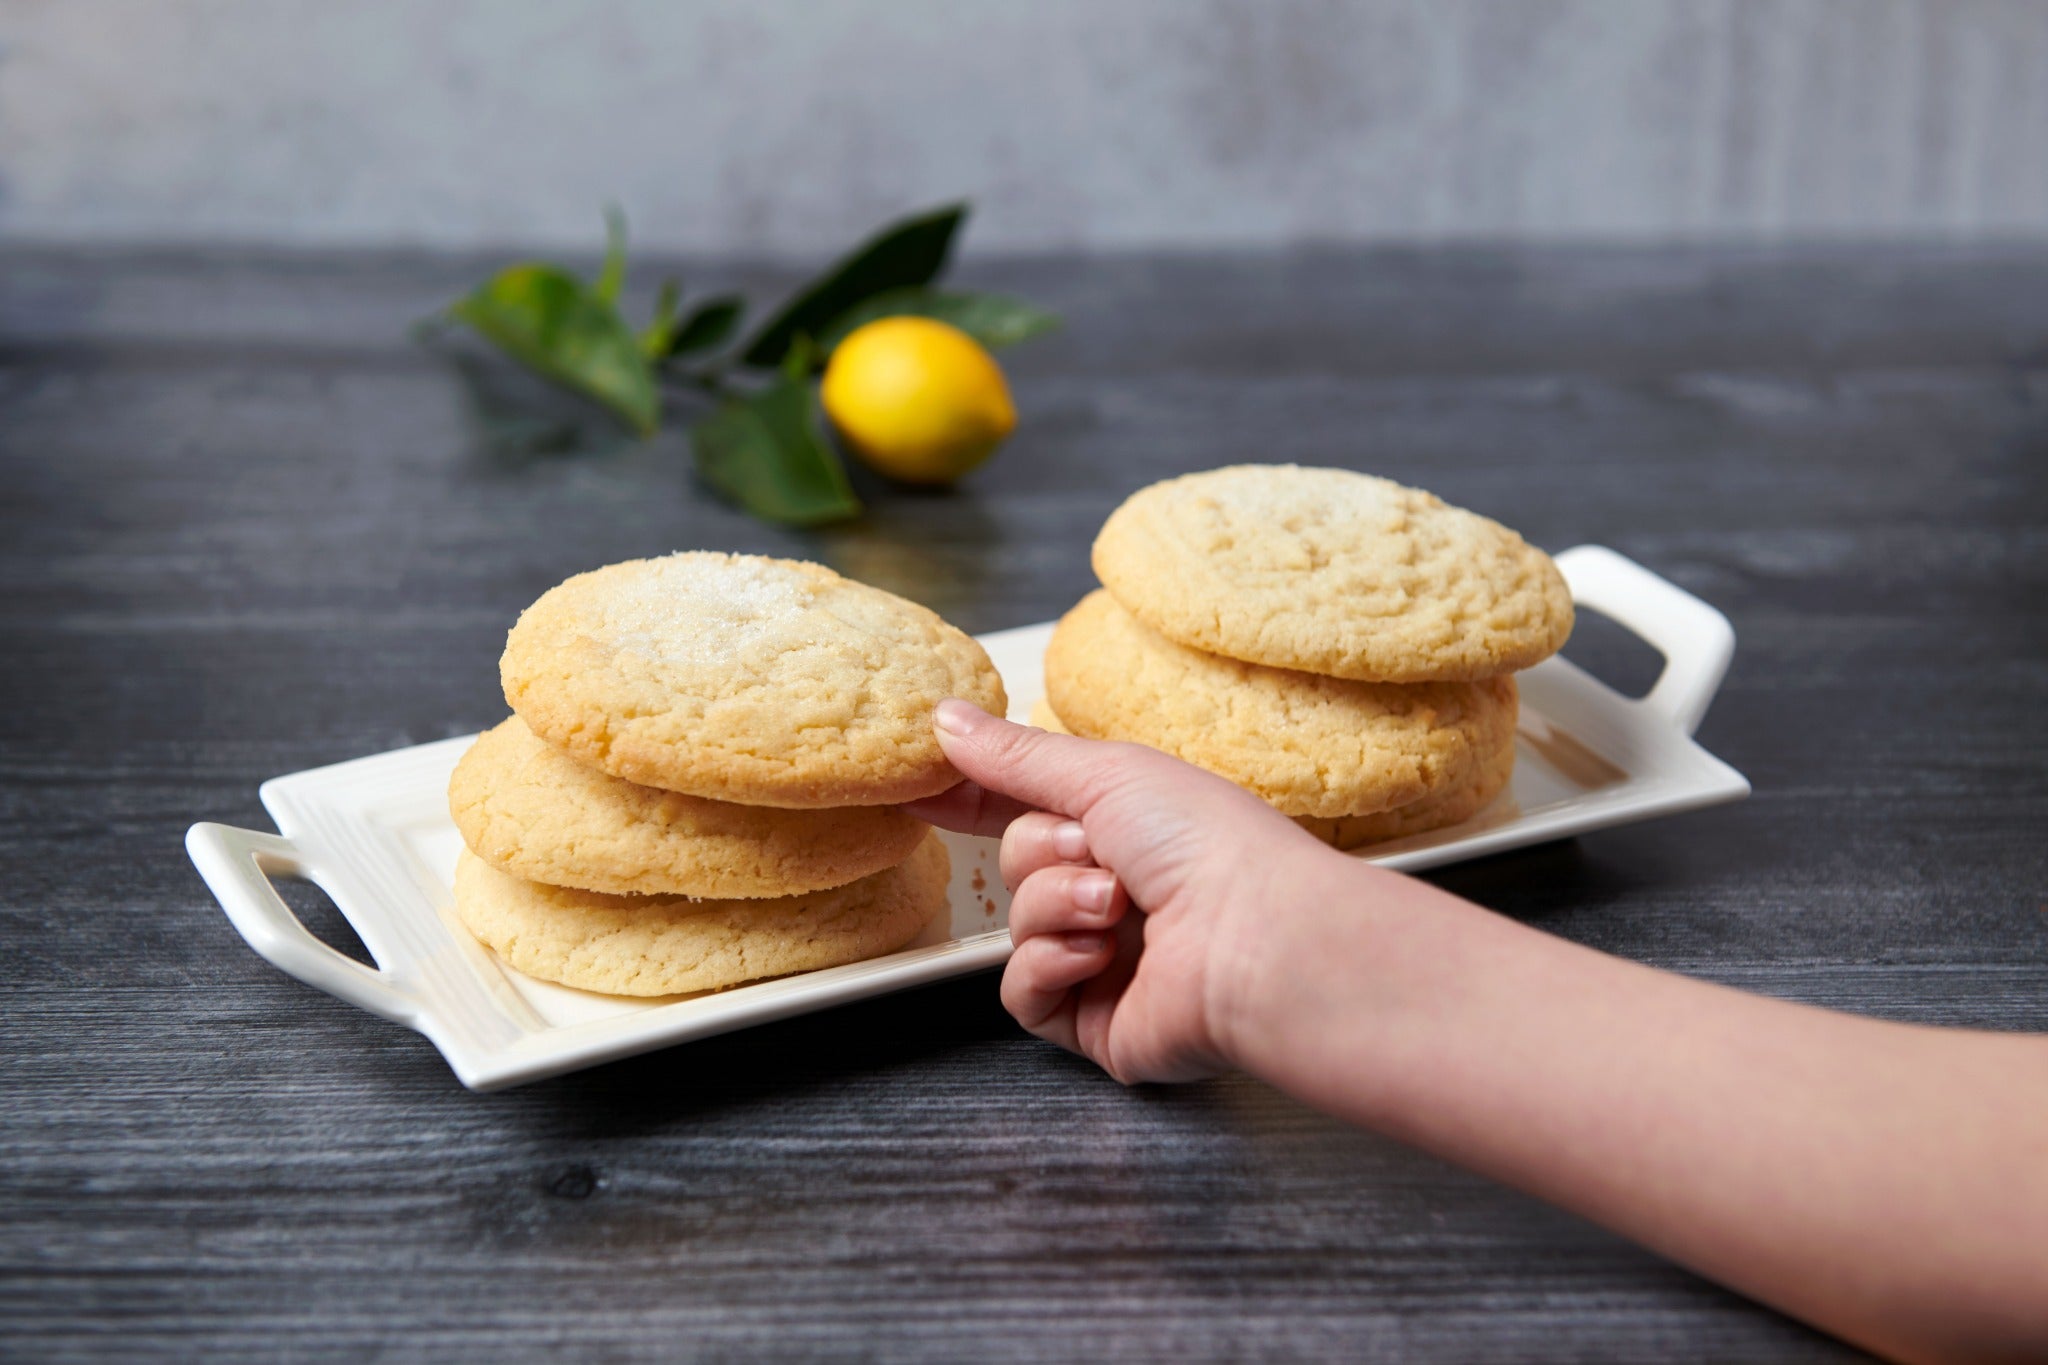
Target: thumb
x,y
1061,772
1058,773
1145,811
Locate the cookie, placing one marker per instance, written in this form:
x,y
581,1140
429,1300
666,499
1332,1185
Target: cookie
x,y
1305,743
528,809
666,945
1452,807
1327,571
768,682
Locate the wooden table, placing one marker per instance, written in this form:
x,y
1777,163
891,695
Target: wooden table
x,y
250,528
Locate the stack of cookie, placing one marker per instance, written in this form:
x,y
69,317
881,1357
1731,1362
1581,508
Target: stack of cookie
x,y
698,784
1339,645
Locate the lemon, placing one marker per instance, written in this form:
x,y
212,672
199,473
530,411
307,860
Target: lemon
x,y
917,399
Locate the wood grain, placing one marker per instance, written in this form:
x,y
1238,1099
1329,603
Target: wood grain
x,y
249,528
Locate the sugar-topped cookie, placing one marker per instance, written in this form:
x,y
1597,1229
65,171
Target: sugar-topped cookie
x,y
1307,744
527,808
666,945
769,682
1329,571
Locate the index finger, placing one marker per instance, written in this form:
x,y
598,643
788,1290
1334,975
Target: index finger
x,y
968,808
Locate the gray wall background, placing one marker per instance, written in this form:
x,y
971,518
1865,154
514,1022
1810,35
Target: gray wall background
x,y
774,128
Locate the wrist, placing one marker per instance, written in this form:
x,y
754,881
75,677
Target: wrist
x,y
1341,998
1254,979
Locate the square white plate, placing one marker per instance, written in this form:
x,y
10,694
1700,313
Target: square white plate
x,y
374,833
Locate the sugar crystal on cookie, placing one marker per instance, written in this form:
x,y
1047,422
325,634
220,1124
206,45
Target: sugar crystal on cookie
x,y
703,608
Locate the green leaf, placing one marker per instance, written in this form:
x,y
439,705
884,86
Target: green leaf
x,y
803,358
660,332
708,325
613,276
994,320
768,454
909,252
556,325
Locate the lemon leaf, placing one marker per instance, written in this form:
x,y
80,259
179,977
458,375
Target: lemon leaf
x,y
660,332
708,325
803,358
994,320
906,253
560,328
767,453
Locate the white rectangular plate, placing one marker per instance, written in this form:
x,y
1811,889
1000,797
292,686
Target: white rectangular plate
x,y
374,833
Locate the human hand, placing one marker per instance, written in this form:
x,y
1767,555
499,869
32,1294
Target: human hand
x,y
1091,829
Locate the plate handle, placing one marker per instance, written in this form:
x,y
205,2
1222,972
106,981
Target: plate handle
x,y
236,864
1696,641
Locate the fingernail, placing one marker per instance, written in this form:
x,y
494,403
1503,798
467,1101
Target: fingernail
x,y
1087,943
1070,841
1092,891
954,716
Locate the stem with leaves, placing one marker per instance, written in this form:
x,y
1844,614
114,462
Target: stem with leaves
x,y
763,444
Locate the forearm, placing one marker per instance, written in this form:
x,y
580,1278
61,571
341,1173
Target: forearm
x,y
1886,1182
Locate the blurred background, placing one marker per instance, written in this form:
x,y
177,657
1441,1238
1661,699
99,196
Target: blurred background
x,y
730,127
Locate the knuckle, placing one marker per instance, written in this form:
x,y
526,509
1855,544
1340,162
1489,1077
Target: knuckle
x,y
1029,915
1117,770
1025,833
1009,745
1018,988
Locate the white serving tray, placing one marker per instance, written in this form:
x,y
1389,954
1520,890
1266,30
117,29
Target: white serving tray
x,y
375,834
